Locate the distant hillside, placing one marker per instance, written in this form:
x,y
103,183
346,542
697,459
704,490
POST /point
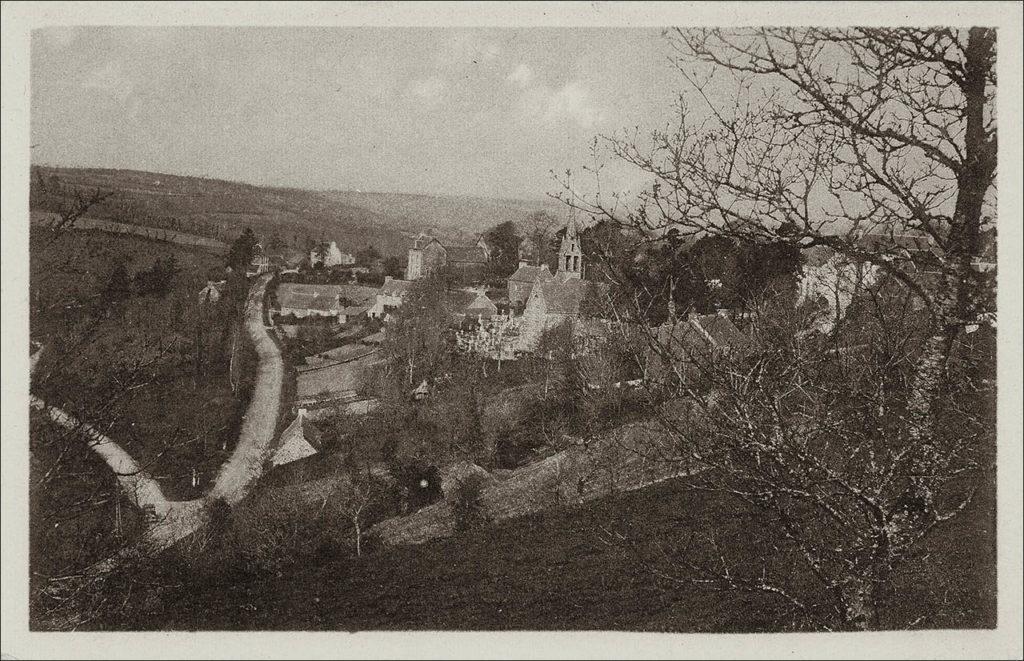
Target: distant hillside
x,y
446,214
288,216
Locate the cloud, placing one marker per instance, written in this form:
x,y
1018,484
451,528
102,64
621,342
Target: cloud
x,y
575,103
111,79
428,91
521,75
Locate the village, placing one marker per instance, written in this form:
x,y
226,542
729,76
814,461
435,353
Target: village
x,y
428,367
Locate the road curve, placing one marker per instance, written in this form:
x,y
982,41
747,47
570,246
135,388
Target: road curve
x,y
175,520
245,465
139,486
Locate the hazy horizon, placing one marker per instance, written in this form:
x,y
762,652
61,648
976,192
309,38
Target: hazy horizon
x,y
455,112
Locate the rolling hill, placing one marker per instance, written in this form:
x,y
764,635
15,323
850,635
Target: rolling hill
x,y
289,216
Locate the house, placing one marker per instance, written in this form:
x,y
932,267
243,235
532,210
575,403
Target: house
x,y
298,441
307,300
330,256
678,348
428,255
481,307
260,262
390,297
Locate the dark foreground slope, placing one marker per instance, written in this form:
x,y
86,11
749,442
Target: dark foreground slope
x,y
553,571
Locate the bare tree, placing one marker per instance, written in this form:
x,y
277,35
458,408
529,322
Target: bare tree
x,y
881,145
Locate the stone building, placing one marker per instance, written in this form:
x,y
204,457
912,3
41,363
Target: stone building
x,y
570,255
680,347
260,262
331,256
522,282
428,255
390,297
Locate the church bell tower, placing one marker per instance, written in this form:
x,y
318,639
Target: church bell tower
x,y
570,255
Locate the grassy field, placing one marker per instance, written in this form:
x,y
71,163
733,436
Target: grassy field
x,y
221,209
553,571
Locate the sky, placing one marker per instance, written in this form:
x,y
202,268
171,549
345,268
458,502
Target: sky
x,y
453,111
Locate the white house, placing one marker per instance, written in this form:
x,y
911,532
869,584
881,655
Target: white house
x,y
332,256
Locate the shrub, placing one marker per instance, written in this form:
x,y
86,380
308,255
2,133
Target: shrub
x,y
467,504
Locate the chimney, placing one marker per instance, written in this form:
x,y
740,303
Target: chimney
x,y
523,262
388,278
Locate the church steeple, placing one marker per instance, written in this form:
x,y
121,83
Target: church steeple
x,y
570,255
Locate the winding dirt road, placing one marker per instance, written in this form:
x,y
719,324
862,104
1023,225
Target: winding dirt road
x,y
175,520
245,466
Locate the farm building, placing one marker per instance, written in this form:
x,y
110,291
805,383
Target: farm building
x,y
389,298
298,441
343,302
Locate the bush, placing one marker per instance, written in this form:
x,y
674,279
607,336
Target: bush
x,y
467,504
419,484
261,537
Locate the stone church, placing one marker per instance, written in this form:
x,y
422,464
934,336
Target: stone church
x,y
551,299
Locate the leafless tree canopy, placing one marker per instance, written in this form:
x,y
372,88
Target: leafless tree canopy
x,y
818,137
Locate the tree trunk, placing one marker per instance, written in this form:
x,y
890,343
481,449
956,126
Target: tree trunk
x,y
954,302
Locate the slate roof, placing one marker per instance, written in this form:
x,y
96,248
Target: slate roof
x,y
298,440
308,297
532,274
481,306
459,300
562,297
723,332
396,287
323,297
701,333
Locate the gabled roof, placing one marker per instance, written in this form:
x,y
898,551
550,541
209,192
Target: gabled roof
x,y
481,306
561,297
396,287
459,300
422,240
701,333
298,440
723,332
532,274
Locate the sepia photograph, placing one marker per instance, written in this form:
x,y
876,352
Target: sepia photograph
x,y
520,318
